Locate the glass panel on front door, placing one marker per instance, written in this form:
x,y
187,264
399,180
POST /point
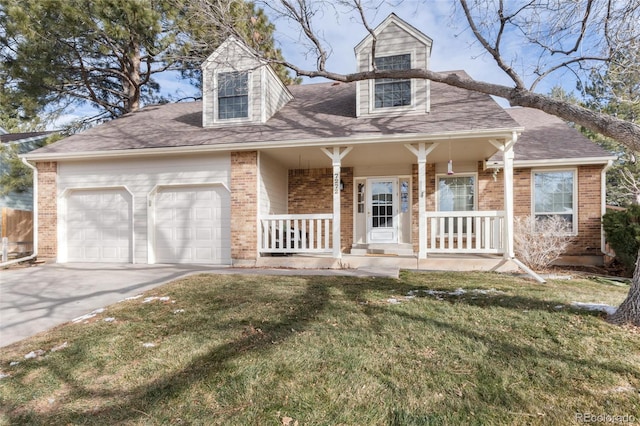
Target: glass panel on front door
x,y
382,204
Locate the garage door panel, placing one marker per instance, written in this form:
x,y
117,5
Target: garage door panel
x,y
204,214
98,226
189,224
204,234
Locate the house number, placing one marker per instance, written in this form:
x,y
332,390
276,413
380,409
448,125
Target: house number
x,y
336,183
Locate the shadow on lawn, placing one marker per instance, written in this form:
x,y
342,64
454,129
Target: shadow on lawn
x,y
133,404
297,312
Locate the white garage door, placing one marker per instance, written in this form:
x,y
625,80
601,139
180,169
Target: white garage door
x,y
193,225
99,226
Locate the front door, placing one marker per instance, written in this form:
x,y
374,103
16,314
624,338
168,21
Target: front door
x,y
382,211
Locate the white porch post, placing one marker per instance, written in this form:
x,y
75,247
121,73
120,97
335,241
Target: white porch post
x,y
508,197
421,153
336,160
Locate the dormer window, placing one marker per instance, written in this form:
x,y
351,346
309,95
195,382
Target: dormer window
x,y
233,95
393,92
238,89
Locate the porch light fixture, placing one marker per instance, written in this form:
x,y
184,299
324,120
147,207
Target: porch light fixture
x,y
450,167
341,185
450,164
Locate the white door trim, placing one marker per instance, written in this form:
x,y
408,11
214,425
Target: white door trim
x,y
375,232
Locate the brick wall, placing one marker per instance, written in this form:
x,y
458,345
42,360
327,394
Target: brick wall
x,y
491,197
589,212
587,242
310,191
47,210
490,189
244,205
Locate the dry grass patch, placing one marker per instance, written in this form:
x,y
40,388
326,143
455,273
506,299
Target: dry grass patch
x,y
437,348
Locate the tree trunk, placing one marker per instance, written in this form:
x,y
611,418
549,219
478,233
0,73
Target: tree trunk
x,y
629,311
131,83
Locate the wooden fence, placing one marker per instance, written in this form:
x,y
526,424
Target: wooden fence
x,y
17,228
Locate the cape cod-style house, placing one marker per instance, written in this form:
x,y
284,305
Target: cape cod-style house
x,y
329,173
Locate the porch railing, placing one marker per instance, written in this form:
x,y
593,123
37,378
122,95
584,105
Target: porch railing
x,y
465,232
296,233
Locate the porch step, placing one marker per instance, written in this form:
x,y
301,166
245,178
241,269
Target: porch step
x,y
382,249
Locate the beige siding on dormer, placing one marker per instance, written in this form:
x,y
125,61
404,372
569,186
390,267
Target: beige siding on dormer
x,y
394,40
275,96
266,93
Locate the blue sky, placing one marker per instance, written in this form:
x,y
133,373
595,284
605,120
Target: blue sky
x,y
454,46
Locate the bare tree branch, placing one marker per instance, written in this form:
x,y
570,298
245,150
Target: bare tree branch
x,y
303,15
493,50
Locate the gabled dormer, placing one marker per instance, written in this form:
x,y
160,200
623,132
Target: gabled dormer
x,y
398,46
238,88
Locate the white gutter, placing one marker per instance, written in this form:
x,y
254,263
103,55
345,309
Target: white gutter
x,y
35,219
587,161
603,207
296,143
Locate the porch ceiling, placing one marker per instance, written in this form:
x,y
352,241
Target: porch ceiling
x,y
383,154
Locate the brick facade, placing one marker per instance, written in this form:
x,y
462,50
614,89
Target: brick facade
x,y
47,209
310,191
491,197
588,240
244,205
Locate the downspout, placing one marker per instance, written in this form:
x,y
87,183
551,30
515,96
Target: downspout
x,y
603,207
35,219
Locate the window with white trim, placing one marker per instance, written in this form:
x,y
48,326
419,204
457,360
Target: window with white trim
x,y
392,92
554,195
456,193
233,95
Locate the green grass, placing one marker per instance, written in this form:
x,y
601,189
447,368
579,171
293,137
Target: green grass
x,y
334,351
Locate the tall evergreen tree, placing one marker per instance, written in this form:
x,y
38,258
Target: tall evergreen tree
x,y
105,53
616,91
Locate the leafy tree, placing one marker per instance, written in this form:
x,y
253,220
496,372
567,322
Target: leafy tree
x,y
15,176
105,53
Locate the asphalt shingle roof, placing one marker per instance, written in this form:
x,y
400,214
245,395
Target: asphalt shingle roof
x,y
547,137
325,110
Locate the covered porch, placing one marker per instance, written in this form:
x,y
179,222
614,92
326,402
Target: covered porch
x,y
397,201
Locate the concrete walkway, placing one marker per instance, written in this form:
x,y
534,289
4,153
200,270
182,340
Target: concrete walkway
x,y
37,298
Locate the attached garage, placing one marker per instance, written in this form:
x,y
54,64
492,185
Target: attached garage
x,y
99,225
192,224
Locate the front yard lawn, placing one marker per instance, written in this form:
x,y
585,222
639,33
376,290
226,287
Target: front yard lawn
x,y
427,349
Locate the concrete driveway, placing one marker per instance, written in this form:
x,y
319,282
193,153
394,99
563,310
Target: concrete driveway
x,y
37,298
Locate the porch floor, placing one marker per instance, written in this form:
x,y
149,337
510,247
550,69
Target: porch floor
x,y
434,262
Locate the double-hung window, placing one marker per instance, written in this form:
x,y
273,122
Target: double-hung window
x,y
392,92
456,193
233,95
554,195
